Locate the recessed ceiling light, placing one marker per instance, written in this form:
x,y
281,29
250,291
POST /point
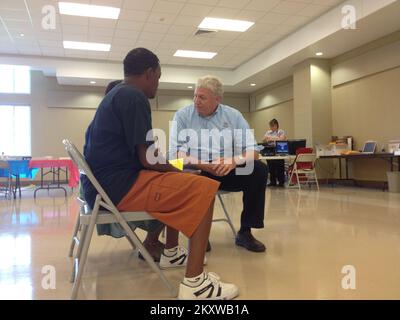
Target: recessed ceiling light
x,y
319,54
225,24
194,54
22,35
190,87
252,84
92,46
88,10
92,82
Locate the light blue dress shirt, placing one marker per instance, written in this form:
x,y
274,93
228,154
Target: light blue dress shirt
x,y
225,133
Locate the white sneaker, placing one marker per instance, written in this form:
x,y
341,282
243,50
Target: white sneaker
x,y
209,288
177,260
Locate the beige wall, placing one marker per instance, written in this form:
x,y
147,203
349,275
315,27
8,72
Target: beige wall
x,y
59,112
302,102
368,109
321,102
283,112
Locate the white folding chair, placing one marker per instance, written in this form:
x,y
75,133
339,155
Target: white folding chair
x,y
304,169
5,181
88,219
227,218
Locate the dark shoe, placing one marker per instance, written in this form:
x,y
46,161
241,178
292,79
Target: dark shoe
x,y
208,247
247,241
156,259
154,250
271,184
281,185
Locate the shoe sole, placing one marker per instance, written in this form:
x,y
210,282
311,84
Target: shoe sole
x,y
171,267
176,267
230,297
249,249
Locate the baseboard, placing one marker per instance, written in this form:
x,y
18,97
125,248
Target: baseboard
x,y
383,185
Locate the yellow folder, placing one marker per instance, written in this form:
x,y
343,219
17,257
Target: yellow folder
x,y
177,163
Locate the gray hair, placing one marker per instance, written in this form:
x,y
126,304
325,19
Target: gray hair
x,y
211,83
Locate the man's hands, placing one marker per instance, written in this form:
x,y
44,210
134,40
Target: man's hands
x,y
223,166
219,167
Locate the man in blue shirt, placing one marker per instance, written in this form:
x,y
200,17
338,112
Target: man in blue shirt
x,y
216,139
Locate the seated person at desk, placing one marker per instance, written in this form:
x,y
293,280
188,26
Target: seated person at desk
x,y
276,167
116,147
218,161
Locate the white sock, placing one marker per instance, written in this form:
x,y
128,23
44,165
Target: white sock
x,y
195,281
170,252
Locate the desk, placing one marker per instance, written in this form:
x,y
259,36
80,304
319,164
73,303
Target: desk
x,y
384,156
54,167
18,169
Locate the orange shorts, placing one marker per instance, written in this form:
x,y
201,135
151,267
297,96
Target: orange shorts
x,y
179,200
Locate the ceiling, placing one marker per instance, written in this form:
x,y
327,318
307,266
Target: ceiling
x,y
160,25
286,32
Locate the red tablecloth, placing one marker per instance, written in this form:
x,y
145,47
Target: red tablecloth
x,y
58,163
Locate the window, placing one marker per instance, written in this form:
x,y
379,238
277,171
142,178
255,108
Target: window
x,y
15,130
15,79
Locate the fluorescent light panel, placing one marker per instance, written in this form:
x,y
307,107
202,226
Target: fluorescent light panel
x,y
225,24
91,46
88,10
195,54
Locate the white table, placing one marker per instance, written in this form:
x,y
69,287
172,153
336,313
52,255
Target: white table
x,y
286,158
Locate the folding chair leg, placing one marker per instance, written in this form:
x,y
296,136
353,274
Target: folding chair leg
x,y
131,242
75,265
291,177
228,218
316,181
298,180
74,235
147,256
85,248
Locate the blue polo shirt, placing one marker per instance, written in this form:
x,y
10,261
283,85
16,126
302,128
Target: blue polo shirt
x,y
121,122
225,133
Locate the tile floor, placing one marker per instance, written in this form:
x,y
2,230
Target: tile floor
x,y
310,237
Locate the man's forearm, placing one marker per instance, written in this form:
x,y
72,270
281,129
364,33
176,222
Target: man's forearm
x,y
152,160
161,167
188,161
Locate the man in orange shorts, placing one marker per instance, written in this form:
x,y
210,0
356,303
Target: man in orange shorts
x,y
117,151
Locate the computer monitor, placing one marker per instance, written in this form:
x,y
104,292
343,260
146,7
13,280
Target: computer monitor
x,y
369,147
295,144
282,147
